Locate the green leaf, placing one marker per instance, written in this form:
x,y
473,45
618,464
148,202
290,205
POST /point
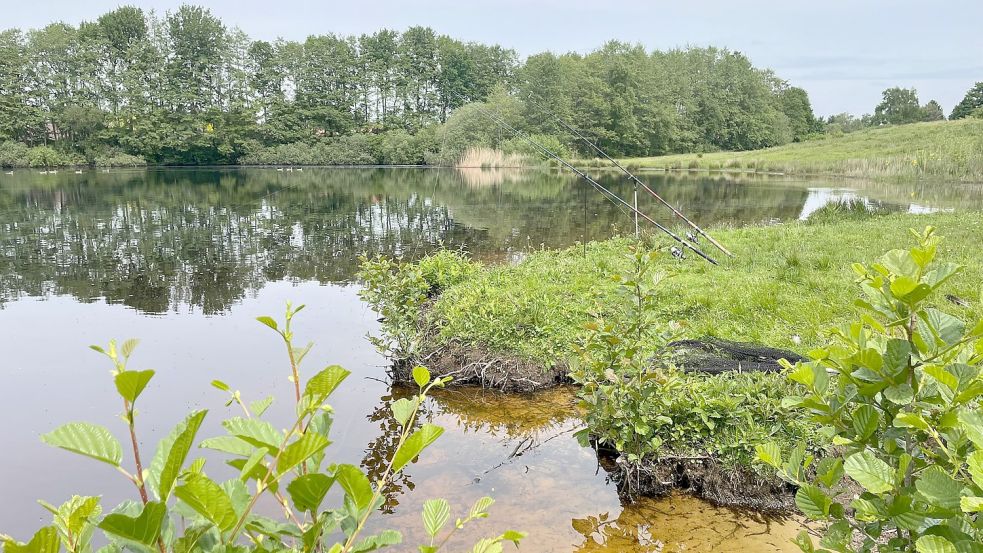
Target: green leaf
x,y
910,420
865,421
971,504
897,355
901,394
436,512
900,262
837,536
946,378
971,422
770,454
975,462
829,471
934,544
172,453
129,346
252,462
208,499
221,385
939,488
144,528
86,439
403,409
301,450
44,540
378,541
487,545
323,384
268,321
415,444
73,515
870,472
355,484
945,327
255,431
812,501
308,491
258,407
421,376
480,507
229,444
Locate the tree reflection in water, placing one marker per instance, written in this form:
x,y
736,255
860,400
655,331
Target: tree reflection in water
x,y
166,240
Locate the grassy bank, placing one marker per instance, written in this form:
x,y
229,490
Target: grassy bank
x,y
946,150
786,287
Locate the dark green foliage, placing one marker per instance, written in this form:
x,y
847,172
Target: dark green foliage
x,y
899,106
184,88
973,101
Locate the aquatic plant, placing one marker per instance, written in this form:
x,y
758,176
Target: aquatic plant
x,y
183,509
897,392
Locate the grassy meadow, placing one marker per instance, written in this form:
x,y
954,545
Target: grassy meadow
x,y
783,288
945,150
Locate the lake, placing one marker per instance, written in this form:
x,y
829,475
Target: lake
x,y
186,259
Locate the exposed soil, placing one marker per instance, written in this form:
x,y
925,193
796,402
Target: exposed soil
x,y
476,366
702,477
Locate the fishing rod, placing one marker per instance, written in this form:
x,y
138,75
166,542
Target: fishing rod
x,y
597,186
638,181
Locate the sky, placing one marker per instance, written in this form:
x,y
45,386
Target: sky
x,y
843,52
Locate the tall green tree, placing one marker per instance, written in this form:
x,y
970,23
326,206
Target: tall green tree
x,y
932,111
898,106
970,103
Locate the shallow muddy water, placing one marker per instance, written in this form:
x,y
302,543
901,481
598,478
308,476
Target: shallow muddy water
x,y
186,259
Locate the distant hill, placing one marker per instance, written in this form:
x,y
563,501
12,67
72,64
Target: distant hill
x,y
943,150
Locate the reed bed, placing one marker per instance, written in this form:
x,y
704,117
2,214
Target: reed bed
x,y
490,158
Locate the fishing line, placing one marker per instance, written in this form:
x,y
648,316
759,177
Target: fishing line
x,y
597,186
631,175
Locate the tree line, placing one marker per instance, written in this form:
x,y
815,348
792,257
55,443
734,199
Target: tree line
x,y
900,106
184,88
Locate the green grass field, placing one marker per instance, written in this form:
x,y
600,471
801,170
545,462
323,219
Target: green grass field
x,y
785,287
944,150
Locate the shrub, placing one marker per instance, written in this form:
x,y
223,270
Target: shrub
x,y
638,403
208,516
119,159
398,290
14,154
898,392
46,156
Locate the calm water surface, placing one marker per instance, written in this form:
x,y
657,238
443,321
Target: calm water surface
x,y
186,259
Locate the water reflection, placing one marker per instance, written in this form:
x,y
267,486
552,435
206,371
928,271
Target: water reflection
x,y
173,240
520,449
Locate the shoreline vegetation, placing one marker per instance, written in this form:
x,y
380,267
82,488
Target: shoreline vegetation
x,y
526,326
946,151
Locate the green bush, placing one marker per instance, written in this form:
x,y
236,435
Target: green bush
x,y
398,290
636,402
14,154
119,159
898,394
182,509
